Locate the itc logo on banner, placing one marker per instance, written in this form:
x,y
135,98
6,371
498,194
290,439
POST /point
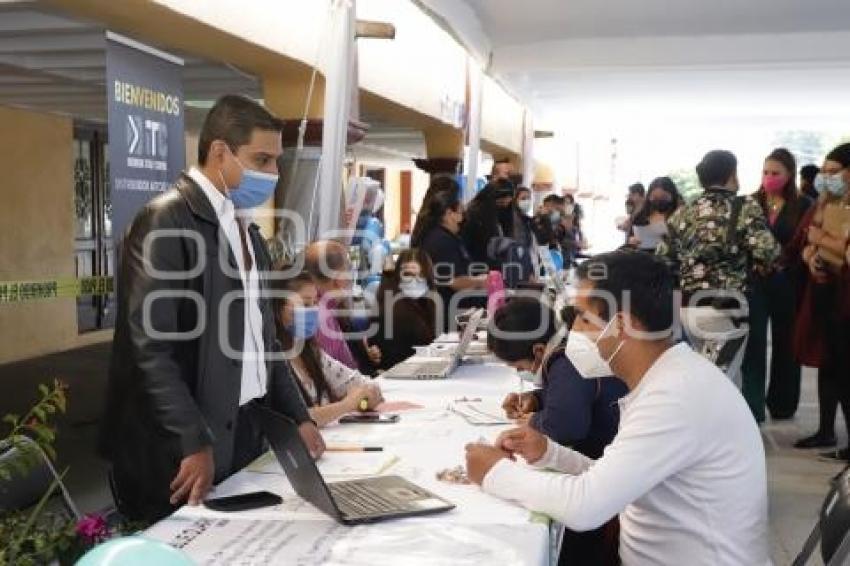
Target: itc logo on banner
x,y
147,143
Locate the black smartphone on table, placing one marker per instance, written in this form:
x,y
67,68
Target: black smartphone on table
x,y
369,417
244,501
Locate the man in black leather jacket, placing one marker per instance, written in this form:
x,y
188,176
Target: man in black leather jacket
x,y
194,337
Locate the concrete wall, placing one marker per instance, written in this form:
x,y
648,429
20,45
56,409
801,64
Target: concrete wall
x,y
37,229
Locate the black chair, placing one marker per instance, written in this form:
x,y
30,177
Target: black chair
x,y
832,530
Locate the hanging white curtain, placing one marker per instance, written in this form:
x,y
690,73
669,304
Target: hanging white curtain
x,y
473,131
339,84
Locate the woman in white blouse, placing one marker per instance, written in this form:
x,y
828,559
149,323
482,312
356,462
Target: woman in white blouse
x,y
330,388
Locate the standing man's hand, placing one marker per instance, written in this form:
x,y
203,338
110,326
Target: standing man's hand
x,y
194,478
312,439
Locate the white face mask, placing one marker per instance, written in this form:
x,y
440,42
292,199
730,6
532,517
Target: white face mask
x,y
535,378
414,288
524,205
584,354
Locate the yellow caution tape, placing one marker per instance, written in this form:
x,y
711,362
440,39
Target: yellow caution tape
x,y
24,291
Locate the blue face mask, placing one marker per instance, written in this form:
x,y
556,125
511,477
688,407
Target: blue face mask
x,y
305,322
832,184
255,188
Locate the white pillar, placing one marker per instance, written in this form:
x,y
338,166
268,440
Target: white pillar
x,y
473,132
528,149
339,81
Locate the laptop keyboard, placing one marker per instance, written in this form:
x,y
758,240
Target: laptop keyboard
x,y
357,499
419,370
431,368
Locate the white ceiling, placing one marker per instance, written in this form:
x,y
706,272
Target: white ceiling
x,y
53,63
512,22
590,60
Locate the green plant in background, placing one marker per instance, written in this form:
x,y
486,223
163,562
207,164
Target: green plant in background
x,y
40,535
35,425
33,536
687,183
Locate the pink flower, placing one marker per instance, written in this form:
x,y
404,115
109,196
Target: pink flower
x,y
93,529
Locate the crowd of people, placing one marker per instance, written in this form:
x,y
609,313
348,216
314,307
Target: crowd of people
x,y
622,409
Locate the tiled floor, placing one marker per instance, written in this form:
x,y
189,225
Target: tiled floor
x,y
797,479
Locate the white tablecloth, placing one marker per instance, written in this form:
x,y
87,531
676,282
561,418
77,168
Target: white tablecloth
x,y
481,530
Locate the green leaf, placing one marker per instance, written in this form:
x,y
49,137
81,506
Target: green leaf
x,y
43,389
43,432
12,419
39,412
60,402
50,408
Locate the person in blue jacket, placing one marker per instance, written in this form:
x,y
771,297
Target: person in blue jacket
x,y
570,409
573,410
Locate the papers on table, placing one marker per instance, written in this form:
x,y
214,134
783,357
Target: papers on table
x,y
480,413
233,541
397,406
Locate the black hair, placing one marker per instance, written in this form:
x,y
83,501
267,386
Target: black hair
x,y
232,119
665,184
522,189
716,168
638,281
556,199
391,282
841,154
443,195
789,191
809,172
521,315
310,354
637,189
497,188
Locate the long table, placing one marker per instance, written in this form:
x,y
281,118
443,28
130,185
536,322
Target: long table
x,y
481,530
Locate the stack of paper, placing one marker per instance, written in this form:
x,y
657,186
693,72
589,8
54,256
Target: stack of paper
x,y
480,413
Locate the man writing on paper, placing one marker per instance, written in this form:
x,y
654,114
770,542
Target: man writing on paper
x,y
194,336
686,471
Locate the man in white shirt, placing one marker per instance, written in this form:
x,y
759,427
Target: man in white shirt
x,y
686,471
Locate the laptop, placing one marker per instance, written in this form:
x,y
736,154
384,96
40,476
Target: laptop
x,y
437,368
350,502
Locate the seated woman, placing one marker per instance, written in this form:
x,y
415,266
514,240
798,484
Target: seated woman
x,y
571,409
406,308
330,388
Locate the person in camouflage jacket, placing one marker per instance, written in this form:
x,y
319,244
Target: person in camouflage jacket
x,y
697,247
